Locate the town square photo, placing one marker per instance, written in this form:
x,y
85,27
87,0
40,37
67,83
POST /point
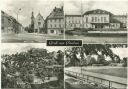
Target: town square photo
x,y
26,21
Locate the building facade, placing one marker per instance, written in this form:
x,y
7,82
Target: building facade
x,y
9,24
55,21
96,19
38,23
100,19
122,19
73,21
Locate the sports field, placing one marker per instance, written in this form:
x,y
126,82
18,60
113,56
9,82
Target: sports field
x,y
119,72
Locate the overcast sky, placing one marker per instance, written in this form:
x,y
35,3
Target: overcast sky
x,y
114,6
27,6
70,7
9,48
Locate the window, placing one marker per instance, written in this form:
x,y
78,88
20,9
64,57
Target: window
x,y
51,25
86,25
98,19
55,20
71,25
39,18
86,19
62,31
60,25
39,23
105,20
101,19
92,19
95,19
55,25
2,28
2,20
75,25
52,31
59,20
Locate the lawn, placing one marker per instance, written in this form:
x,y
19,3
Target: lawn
x,y
99,39
119,72
28,38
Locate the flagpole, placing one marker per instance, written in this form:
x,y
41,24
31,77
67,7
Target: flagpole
x,y
82,24
18,16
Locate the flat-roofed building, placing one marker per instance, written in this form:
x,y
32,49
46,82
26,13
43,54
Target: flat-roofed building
x,y
73,21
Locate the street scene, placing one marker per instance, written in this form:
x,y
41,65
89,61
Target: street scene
x,y
96,66
32,66
25,21
96,21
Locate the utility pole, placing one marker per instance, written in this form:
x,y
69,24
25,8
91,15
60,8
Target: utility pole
x,y
82,23
127,21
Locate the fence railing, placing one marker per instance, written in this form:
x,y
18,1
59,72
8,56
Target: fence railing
x,y
96,80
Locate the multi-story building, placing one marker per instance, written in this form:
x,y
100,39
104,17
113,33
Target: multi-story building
x,y
122,19
99,19
9,24
55,21
73,21
95,19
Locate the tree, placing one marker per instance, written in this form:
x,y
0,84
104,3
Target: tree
x,y
125,62
90,49
26,65
60,57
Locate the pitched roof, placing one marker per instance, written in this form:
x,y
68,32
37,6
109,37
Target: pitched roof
x,y
56,13
114,21
39,16
98,11
120,16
